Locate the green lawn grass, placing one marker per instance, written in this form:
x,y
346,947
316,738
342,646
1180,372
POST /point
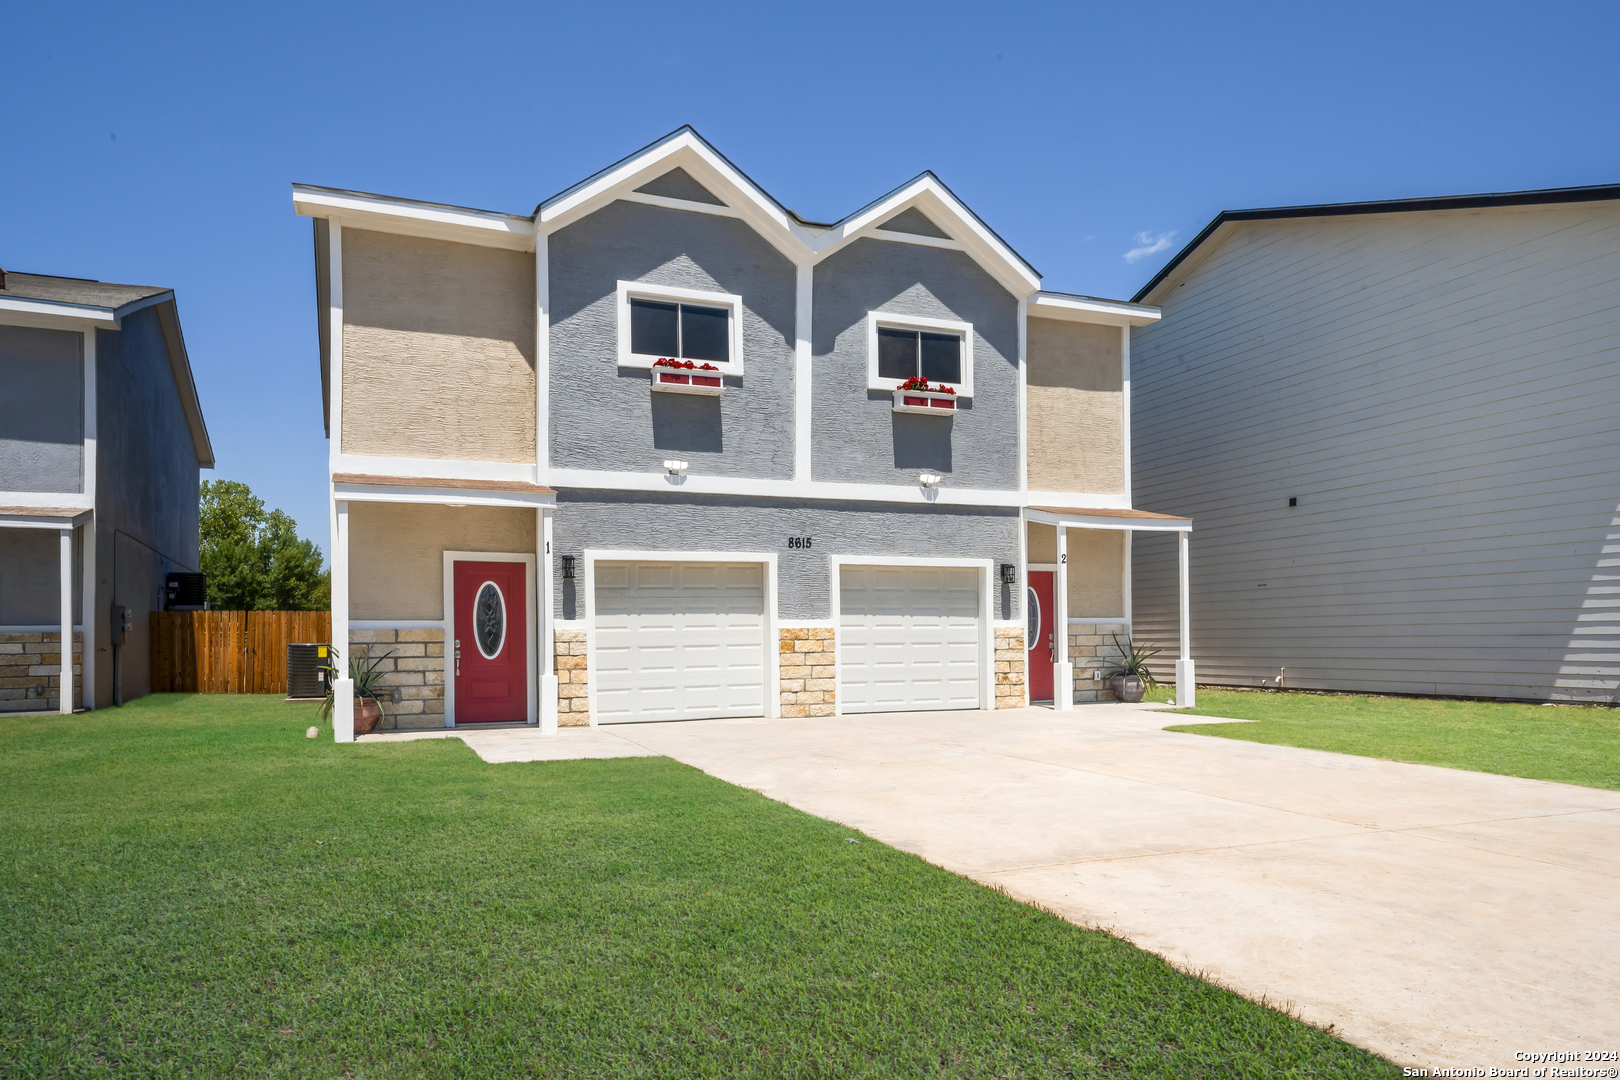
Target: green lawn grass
x,y
1572,744
192,888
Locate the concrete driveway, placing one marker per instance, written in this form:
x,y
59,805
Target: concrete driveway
x,y
1438,917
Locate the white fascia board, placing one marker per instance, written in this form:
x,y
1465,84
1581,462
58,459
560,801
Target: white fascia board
x,y
44,313
1077,498
688,152
74,500
604,480
1045,305
1086,521
930,197
433,468
380,213
28,521
438,496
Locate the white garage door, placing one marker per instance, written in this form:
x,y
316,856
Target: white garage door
x,y
908,639
679,641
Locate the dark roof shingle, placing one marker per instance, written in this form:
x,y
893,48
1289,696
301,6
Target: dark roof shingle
x,y
67,290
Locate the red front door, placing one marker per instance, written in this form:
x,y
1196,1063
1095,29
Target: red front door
x,y
1038,618
491,659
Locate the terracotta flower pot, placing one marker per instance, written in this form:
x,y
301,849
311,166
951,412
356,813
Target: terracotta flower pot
x,y
366,714
1127,688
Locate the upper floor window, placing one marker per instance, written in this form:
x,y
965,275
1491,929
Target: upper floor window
x,y
657,321
905,347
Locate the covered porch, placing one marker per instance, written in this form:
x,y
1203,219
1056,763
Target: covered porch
x,y
31,634
1125,524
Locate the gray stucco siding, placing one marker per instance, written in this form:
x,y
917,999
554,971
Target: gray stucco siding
x,y
856,435
41,410
607,417
31,577
678,522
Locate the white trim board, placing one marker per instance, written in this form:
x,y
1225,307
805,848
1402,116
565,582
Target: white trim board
x,y
1082,521
432,468
396,624
66,500
383,213
743,487
532,618
1047,305
439,496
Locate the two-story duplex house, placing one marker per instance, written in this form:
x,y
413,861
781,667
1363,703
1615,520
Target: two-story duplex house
x,y
665,450
101,440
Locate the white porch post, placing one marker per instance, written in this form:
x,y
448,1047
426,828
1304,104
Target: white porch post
x,y
1186,679
90,613
343,687
1062,668
548,634
64,689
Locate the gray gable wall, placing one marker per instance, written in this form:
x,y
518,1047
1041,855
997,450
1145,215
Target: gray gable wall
x,y
607,417
41,410
857,436
916,222
678,184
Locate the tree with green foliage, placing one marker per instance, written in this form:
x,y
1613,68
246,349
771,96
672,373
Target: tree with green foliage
x,y
253,557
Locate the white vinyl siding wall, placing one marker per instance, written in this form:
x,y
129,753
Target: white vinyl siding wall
x,y
1441,392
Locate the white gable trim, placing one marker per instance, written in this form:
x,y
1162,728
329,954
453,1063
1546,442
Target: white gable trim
x,y
932,198
685,150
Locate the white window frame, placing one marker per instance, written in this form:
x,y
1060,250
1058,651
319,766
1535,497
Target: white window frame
x,y
875,319
670,294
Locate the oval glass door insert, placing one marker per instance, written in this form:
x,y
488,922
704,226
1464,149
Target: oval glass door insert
x,y
1032,612
489,620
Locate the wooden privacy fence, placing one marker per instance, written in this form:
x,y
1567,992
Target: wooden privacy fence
x,y
229,652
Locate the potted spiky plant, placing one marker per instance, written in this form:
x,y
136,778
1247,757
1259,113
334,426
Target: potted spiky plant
x,y
1131,677
368,708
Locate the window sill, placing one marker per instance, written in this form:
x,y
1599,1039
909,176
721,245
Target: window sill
x,y
924,401
704,384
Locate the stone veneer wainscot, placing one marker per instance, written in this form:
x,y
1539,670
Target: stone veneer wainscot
x,y
1012,691
31,672
414,666
1091,648
573,689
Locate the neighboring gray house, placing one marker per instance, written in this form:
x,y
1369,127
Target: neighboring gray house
x,y
536,514
1398,424
101,438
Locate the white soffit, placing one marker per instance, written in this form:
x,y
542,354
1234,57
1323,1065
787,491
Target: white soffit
x,y
384,214
1045,305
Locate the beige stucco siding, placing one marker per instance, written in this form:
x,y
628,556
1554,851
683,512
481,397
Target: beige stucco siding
x,y
1076,402
1096,568
396,552
438,349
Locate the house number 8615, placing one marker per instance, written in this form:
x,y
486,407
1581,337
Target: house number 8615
x,y
798,543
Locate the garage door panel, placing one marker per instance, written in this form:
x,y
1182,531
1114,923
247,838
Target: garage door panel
x,y
908,638
679,641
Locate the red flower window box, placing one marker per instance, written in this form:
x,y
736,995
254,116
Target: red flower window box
x,y
686,377
916,396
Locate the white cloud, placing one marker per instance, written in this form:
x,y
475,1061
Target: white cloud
x,y
1150,244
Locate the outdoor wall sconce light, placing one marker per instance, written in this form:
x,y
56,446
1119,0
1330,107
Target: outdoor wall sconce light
x,y
930,479
675,468
1009,574
568,567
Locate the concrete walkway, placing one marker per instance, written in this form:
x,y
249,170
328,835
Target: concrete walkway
x,y
1438,917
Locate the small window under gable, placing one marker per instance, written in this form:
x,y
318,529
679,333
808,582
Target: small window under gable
x,y
915,222
659,322
678,184
902,347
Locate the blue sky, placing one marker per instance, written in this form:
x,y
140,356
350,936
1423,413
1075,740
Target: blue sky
x,y
156,145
